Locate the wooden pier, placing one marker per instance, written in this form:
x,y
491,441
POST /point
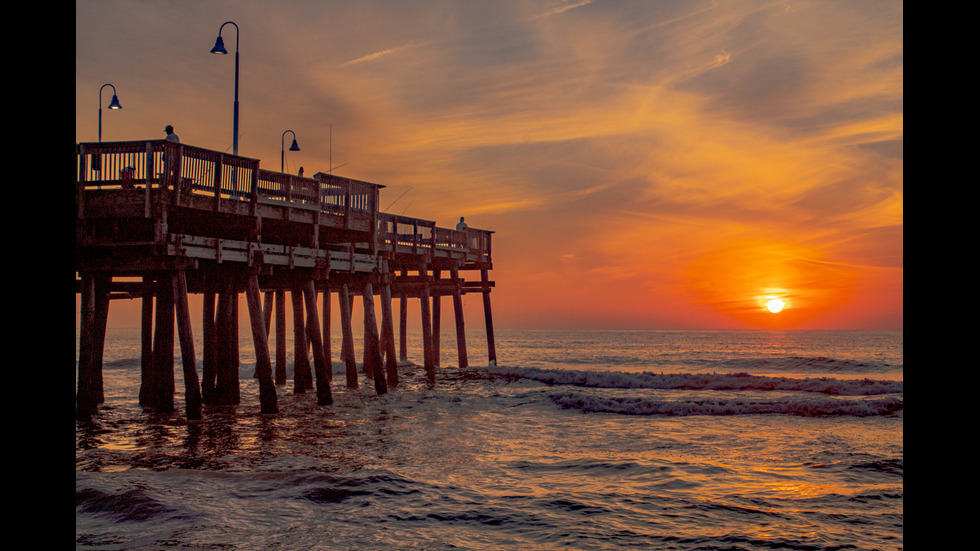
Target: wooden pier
x,y
158,221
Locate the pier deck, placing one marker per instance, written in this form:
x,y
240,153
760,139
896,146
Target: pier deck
x,y
158,220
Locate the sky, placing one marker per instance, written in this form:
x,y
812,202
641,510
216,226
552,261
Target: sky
x,y
643,164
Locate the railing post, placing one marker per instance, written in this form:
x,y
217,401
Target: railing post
x,y
217,179
80,184
347,205
254,183
374,220
415,237
148,167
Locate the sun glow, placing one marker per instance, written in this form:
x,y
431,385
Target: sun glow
x,y
775,305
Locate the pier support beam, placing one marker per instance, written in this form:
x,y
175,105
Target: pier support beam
x,y
209,371
268,402
302,376
89,368
460,324
325,329
491,345
430,368
101,320
280,299
323,396
388,336
227,387
146,337
436,322
161,384
403,326
347,347
192,387
372,345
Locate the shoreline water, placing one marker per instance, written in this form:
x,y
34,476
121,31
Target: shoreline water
x,y
520,455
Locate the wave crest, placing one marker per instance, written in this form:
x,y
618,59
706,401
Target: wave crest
x,y
701,381
812,406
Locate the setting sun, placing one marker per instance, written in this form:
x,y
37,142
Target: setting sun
x,y
775,305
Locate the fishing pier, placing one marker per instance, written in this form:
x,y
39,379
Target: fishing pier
x,y
159,221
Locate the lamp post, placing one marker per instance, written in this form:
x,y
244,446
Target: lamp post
x,y
219,48
282,153
114,105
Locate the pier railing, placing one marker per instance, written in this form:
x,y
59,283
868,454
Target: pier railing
x,y
416,236
185,168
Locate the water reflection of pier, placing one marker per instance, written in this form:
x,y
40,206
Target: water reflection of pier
x,y
158,221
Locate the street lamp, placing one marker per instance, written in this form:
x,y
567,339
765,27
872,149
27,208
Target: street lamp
x,y
114,105
282,155
219,48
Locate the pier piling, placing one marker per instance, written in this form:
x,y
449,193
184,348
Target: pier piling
x,y
268,401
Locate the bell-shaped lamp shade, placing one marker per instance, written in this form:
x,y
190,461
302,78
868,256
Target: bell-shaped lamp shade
x,y
295,146
114,104
219,46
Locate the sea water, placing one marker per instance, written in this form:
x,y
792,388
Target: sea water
x,y
583,440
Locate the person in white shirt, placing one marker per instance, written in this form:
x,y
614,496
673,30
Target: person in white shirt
x,y
171,163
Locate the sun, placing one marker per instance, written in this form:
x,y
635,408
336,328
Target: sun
x,y
775,305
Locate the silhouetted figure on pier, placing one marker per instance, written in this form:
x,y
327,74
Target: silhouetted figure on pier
x,y
171,163
461,225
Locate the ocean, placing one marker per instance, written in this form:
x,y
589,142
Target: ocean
x,y
575,440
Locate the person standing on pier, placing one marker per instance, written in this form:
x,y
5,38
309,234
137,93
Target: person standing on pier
x,y
171,162
461,225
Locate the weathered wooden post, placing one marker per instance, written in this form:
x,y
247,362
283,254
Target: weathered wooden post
x,y
268,402
323,395
430,369
346,350
388,331
267,307
209,372
227,390
162,379
280,337
86,399
491,346
146,338
101,320
192,388
325,316
302,377
403,325
436,320
371,342
460,324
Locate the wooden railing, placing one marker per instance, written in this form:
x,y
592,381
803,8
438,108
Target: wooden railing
x,y
402,233
189,169
158,163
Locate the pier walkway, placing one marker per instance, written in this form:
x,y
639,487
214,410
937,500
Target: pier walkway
x,y
158,220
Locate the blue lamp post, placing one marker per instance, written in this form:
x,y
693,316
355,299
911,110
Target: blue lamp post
x,y
219,48
282,155
114,105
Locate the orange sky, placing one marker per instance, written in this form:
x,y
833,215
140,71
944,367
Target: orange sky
x,y
644,164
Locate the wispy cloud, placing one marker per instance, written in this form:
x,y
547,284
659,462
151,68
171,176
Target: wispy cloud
x,y
561,7
376,55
